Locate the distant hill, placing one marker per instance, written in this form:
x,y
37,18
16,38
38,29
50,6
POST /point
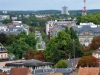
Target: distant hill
x,y
72,12
79,12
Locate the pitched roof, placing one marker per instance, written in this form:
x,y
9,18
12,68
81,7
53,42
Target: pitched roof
x,y
87,28
88,71
19,71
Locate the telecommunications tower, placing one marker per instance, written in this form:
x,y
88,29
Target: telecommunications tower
x,y
84,9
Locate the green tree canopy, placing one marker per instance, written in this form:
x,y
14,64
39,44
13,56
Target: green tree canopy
x,y
61,64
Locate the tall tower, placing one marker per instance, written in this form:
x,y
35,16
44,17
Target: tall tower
x,y
84,9
64,10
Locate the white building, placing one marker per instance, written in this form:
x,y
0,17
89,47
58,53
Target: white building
x,y
86,32
64,10
50,25
3,17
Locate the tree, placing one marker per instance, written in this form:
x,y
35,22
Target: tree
x,y
95,44
89,18
29,54
40,56
61,64
3,38
6,21
88,61
56,56
61,42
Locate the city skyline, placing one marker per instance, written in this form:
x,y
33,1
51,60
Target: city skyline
x,y
47,4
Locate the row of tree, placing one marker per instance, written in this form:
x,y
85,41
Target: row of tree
x,y
89,18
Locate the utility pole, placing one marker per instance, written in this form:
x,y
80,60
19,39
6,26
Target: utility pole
x,y
74,52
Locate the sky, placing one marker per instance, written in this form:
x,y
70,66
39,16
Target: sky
x,y
47,4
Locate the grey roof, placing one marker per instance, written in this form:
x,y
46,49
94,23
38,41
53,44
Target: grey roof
x,y
63,70
34,62
2,24
11,32
31,62
87,28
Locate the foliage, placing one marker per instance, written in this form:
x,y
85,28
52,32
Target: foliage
x,y
34,21
61,64
87,51
45,38
56,56
95,44
60,46
3,38
29,54
89,18
88,61
20,44
40,56
6,21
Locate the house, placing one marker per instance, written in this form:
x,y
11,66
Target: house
x,y
20,71
3,27
89,71
96,53
86,32
14,28
3,17
52,27
3,53
32,64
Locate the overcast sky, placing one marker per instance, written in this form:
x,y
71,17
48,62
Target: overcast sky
x,y
47,4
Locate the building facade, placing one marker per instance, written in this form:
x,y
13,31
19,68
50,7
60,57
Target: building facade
x,y
64,10
86,32
3,53
53,27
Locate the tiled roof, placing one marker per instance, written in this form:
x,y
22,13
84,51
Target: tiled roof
x,y
20,71
88,71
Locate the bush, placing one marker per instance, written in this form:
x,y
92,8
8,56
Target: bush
x,y
61,64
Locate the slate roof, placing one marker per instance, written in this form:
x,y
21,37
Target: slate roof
x,y
87,28
2,25
31,62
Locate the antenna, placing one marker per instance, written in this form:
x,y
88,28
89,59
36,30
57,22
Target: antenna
x,y
84,8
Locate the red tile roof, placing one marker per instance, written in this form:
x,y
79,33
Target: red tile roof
x,y
88,71
20,71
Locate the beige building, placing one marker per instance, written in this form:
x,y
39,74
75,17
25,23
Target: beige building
x,y
3,52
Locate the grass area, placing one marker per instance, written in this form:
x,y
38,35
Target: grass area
x,y
38,39
39,46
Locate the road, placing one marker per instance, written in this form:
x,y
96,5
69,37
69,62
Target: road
x,y
40,44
